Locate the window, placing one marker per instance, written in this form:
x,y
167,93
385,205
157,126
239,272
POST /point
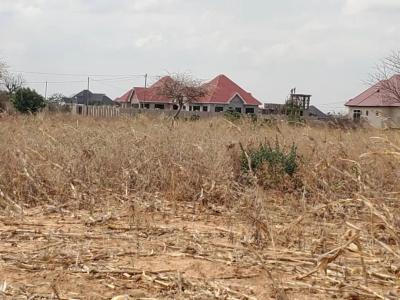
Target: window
x,y
357,115
145,105
238,110
219,109
205,108
175,107
250,110
159,106
184,107
196,108
367,113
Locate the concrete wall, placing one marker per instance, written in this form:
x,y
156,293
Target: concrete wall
x,y
379,117
236,103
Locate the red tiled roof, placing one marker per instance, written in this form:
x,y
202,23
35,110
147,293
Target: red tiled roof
x,y
220,90
376,96
125,98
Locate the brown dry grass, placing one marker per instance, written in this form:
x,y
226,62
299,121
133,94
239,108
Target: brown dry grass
x,y
94,208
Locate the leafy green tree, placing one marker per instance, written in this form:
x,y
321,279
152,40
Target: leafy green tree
x,y
26,100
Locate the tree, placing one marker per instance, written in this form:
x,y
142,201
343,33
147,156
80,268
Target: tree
x,y
26,100
4,101
4,97
182,89
56,98
386,77
3,68
12,82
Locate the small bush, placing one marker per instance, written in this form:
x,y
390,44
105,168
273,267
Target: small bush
x,y
4,101
271,164
194,117
253,117
26,100
232,115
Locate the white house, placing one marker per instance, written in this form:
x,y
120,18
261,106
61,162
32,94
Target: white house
x,y
379,105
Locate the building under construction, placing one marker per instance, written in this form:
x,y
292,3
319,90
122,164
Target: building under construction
x,y
296,105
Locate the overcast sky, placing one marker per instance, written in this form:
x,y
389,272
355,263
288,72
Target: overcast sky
x,y
322,47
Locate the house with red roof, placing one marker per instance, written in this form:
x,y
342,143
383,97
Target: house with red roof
x,y
379,105
222,95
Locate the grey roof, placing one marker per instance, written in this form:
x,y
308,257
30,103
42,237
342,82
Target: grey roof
x,y
315,112
87,96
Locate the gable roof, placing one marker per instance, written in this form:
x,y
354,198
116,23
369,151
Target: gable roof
x,y
125,98
92,98
221,90
315,112
376,96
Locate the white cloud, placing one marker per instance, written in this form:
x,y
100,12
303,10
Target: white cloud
x,y
358,6
149,40
24,8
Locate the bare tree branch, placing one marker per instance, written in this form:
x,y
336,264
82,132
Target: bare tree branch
x,y
386,77
12,82
3,69
182,89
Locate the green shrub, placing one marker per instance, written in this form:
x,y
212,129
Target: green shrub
x,y
194,117
253,117
232,115
26,100
272,163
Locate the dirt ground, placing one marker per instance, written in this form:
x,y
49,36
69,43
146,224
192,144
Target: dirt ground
x,y
170,251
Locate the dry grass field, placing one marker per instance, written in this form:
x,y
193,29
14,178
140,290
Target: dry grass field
x,y
141,209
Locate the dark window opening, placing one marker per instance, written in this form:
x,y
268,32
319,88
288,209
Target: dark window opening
x,y
175,107
184,107
80,110
238,110
367,113
145,105
205,108
159,106
196,108
249,110
356,115
219,109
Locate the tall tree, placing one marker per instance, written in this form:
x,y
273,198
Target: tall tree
x,y
386,76
182,89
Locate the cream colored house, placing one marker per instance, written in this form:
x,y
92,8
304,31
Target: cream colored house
x,y
379,105
223,95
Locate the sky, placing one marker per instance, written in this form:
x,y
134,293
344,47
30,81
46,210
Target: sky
x,y
325,48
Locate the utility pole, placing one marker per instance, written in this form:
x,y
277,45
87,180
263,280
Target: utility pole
x,y
45,92
87,95
145,87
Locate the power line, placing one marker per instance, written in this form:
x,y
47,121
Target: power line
x,y
79,74
55,82
79,81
